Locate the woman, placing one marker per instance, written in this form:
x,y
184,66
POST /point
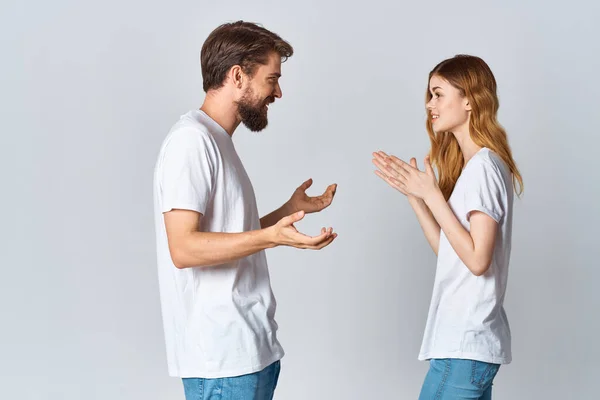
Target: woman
x,y
466,216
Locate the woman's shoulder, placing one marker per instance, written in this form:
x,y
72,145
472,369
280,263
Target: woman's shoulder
x,y
490,160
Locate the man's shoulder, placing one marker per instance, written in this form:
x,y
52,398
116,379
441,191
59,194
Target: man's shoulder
x,y
190,126
188,135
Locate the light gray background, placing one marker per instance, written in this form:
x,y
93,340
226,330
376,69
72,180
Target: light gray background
x,y
89,89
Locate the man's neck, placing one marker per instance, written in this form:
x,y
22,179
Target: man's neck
x,y
222,110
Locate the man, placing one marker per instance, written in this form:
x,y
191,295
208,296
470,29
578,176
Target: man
x,y
217,304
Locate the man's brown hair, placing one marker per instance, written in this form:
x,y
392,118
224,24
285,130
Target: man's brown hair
x,y
238,43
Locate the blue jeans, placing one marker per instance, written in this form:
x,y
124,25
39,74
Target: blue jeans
x,y
456,379
257,386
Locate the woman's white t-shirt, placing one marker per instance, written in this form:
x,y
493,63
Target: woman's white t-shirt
x,y
466,316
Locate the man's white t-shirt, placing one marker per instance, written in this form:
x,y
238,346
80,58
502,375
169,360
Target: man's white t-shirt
x,y
466,317
218,321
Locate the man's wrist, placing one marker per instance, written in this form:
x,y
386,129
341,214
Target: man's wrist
x,y
288,209
267,237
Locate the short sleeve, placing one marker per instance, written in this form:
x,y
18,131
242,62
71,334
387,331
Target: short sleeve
x,y
187,173
486,191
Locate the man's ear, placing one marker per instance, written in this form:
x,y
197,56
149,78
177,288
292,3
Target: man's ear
x,y
237,76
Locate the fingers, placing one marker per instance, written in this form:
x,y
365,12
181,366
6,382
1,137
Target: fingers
x,y
327,197
332,189
413,163
393,160
319,203
405,167
306,184
384,167
291,219
393,164
393,182
396,173
325,243
300,240
317,245
428,168
400,167
381,157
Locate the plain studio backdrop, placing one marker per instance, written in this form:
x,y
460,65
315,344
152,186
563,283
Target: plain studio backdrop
x,y
90,89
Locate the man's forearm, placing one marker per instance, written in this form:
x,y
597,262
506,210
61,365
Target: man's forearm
x,y
203,249
273,217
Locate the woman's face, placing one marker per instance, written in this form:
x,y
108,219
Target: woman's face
x,y
448,109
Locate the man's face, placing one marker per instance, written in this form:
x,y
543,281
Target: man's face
x,y
261,90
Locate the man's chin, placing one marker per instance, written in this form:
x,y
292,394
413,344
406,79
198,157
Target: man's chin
x,y
255,127
253,118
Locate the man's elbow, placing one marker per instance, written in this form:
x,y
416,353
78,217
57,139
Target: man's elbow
x,y
182,260
178,257
179,261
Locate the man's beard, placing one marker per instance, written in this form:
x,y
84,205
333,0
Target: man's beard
x,y
253,112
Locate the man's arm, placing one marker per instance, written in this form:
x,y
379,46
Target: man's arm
x,y
191,248
272,218
300,201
